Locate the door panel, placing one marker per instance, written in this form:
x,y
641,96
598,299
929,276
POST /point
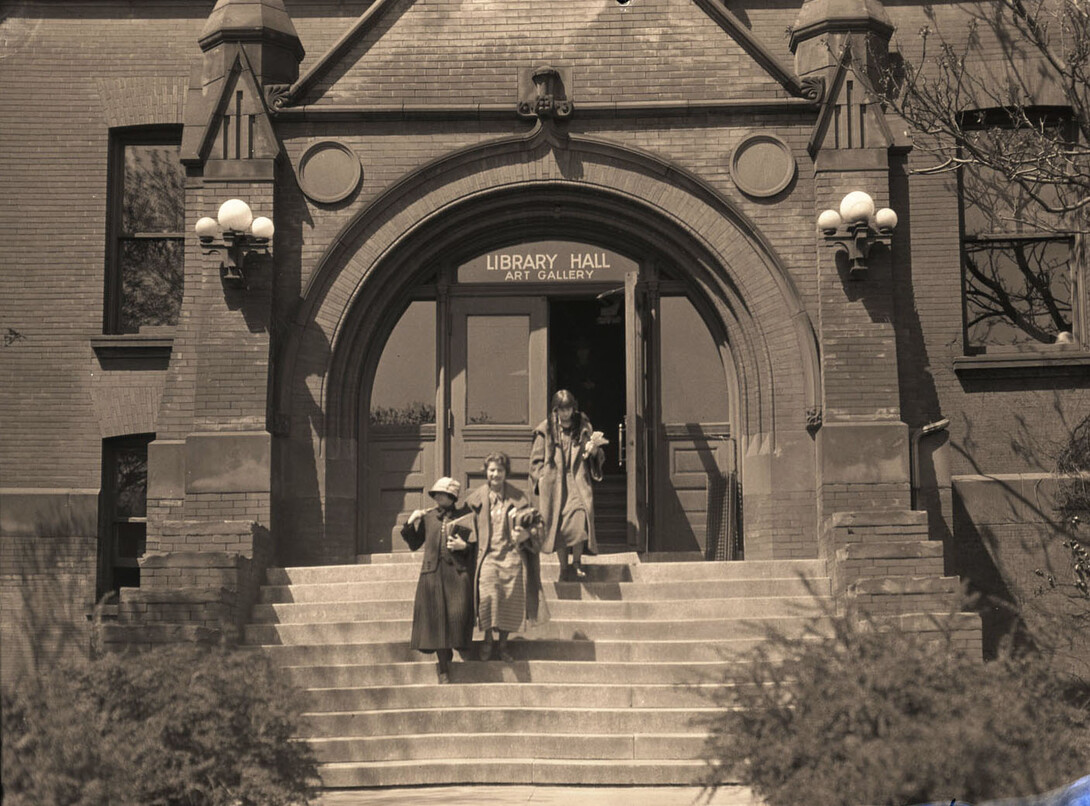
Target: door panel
x,y
498,373
637,460
696,506
696,478
401,467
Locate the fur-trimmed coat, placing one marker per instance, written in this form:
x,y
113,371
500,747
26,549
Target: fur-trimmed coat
x,y
547,477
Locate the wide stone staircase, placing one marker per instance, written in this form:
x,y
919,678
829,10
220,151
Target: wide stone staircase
x,y
614,690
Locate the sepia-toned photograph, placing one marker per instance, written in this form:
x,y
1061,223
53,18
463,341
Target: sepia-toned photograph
x,y
562,402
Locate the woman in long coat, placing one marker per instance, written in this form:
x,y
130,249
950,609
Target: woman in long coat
x,y
443,609
508,594
564,460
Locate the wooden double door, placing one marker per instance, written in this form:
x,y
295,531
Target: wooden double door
x,y
670,485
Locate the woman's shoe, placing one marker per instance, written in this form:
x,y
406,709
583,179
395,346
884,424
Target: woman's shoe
x,y
505,656
486,650
578,572
444,678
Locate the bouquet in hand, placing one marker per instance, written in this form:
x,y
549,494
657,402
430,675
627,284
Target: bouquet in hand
x,y
527,525
596,441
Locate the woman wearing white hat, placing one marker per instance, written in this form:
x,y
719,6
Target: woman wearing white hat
x,y
443,613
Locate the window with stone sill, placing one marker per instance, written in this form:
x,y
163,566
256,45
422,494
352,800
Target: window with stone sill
x,y
1022,274
145,230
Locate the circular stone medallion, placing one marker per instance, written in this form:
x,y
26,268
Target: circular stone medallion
x,y
762,165
329,172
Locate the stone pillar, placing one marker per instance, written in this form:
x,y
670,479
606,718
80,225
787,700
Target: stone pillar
x,y
210,474
876,546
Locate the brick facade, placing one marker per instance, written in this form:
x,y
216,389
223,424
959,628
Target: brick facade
x,y
256,413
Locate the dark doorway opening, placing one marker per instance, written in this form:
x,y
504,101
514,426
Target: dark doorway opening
x,y
587,357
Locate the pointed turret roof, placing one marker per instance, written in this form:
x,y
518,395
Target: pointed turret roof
x,y
821,16
250,21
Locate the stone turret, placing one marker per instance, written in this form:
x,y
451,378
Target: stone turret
x,y
824,27
264,29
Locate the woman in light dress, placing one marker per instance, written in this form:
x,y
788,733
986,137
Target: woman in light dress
x,y
508,581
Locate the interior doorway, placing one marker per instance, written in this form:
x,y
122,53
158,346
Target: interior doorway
x,y
587,357
471,371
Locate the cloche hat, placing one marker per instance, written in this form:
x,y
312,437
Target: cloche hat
x,y
445,485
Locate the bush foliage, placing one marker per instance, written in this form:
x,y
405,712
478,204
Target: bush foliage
x,y
869,716
173,726
1073,465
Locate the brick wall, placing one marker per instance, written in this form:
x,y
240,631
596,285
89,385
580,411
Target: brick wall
x,y
73,70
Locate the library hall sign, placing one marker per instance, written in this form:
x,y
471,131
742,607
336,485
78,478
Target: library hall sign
x,y
549,263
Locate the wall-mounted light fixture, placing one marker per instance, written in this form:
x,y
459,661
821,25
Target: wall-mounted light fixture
x,y
235,232
857,227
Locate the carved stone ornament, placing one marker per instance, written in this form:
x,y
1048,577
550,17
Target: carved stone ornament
x,y
813,89
813,418
542,94
276,95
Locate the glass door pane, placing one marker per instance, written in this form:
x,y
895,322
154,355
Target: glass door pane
x,y
498,382
497,369
400,445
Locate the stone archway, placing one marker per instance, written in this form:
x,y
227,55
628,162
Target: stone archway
x,y
540,185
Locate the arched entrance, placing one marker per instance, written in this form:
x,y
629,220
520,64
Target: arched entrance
x,y
525,190
484,342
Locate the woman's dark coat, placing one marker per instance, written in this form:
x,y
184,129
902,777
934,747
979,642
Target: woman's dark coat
x,y
547,478
443,613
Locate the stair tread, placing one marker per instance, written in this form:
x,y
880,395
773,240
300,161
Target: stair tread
x,y
640,762
646,695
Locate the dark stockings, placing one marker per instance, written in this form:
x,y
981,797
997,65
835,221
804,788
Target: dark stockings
x,y
576,558
444,657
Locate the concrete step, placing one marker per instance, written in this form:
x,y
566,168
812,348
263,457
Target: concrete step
x,y
456,719
617,555
634,653
529,770
623,651
607,567
422,671
388,572
635,631
509,695
680,609
604,591
749,569
418,747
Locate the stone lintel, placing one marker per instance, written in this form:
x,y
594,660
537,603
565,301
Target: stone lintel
x,y
228,462
48,512
864,453
878,518
166,469
181,596
191,559
849,160
893,549
898,585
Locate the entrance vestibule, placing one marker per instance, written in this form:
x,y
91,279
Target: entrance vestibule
x,y
471,371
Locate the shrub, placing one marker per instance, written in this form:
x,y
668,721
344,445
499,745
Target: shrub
x,y
173,726
881,716
1073,466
